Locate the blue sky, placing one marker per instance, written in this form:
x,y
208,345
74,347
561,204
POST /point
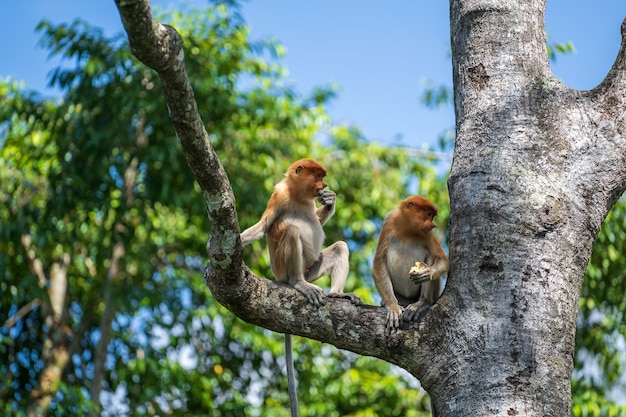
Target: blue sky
x,y
380,54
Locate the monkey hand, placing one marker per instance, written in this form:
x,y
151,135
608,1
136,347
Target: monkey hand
x,y
313,293
327,198
394,312
420,273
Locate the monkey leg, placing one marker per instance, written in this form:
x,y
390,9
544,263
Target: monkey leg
x,y
334,260
429,292
289,269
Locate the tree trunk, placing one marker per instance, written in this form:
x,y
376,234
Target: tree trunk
x,y
115,272
55,353
106,323
536,168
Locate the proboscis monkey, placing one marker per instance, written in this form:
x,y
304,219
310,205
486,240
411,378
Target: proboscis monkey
x,y
407,243
293,226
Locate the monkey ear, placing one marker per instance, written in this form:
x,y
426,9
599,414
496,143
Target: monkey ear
x,y
410,204
299,168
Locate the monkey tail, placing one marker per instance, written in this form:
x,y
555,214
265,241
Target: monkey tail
x,y
291,378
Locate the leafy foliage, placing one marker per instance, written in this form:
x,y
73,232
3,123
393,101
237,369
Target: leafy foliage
x,y
101,167
601,338
101,170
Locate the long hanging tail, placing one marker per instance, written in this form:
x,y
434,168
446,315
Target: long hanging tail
x,y
291,377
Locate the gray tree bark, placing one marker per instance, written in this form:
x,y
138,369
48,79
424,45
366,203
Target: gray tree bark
x,y
537,166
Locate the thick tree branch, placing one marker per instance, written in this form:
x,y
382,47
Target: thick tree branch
x,y
614,83
610,113
533,175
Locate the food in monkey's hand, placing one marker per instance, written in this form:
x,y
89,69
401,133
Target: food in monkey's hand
x,y
418,269
420,273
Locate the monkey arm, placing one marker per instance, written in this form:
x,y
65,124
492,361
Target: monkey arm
x,y
436,263
385,289
324,213
253,233
382,280
327,209
437,260
256,232
439,268
380,274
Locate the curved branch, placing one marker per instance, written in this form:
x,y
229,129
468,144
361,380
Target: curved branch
x,y
161,48
609,105
614,83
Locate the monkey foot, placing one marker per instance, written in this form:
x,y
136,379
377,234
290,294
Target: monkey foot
x,y
354,299
413,311
313,293
394,312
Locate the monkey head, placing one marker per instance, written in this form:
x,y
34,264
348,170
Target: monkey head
x,y
418,213
307,176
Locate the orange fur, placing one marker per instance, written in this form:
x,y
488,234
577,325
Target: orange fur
x,y
293,225
407,237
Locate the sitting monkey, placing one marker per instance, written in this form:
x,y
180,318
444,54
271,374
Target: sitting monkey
x,y
293,225
409,261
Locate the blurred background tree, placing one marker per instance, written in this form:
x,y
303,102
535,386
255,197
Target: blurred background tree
x,y
103,309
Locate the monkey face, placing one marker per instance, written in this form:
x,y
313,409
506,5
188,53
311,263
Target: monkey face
x,y
319,185
312,181
309,176
420,221
419,213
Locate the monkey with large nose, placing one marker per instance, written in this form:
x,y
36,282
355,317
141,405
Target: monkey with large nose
x,y
293,225
407,238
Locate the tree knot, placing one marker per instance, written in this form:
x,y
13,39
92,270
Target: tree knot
x,y
478,76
